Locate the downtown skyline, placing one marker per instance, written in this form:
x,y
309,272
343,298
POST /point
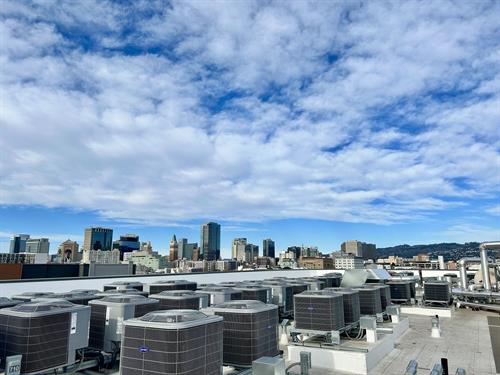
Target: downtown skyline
x,y
307,123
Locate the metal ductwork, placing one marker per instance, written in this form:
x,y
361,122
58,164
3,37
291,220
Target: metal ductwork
x,y
463,270
483,252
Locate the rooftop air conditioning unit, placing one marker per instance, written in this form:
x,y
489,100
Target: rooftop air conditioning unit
x,y
314,283
282,294
437,291
47,334
113,292
228,284
351,304
255,293
172,342
7,302
28,296
332,279
298,286
319,311
108,314
160,286
85,291
76,298
385,294
400,291
181,300
370,302
220,294
250,331
117,285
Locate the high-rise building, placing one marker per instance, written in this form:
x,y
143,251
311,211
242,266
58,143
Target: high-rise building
x,y
186,249
174,249
18,243
68,251
296,250
37,245
359,249
146,247
210,241
97,238
238,249
127,244
268,248
251,253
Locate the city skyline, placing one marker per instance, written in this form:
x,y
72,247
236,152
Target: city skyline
x,y
303,122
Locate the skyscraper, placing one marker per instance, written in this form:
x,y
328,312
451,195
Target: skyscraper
x,y
97,238
18,243
268,248
210,241
186,249
127,244
174,249
238,249
37,245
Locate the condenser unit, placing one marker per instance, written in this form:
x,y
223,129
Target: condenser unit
x,y
118,285
400,291
385,294
351,304
47,334
127,291
160,286
437,291
76,298
220,294
173,342
370,302
7,302
108,314
332,279
250,331
255,293
319,311
298,286
282,294
28,296
181,300
314,283
85,291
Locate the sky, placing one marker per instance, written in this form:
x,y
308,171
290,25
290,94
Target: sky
x,y
307,122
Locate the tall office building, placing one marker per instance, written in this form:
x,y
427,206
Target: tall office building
x,y
18,243
210,241
360,249
174,249
68,251
268,248
186,249
97,238
238,248
37,245
251,253
126,244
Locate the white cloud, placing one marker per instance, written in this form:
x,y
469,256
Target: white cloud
x,y
366,113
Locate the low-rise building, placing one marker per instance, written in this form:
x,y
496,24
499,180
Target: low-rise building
x,y
146,262
226,265
348,262
101,256
24,258
316,263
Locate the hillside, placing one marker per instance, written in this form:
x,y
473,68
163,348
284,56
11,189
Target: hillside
x,y
450,251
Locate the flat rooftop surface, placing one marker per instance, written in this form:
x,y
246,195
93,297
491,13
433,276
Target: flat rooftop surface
x,y
465,341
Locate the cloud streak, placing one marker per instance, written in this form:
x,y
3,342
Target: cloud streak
x,y
376,113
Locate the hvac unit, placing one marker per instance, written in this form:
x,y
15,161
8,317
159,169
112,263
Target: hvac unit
x,y
255,293
181,300
220,294
47,334
28,296
7,302
206,285
172,342
160,286
228,284
370,302
250,331
332,279
351,304
114,292
319,311
314,284
400,291
297,286
437,291
282,294
118,285
85,291
76,298
108,314
385,294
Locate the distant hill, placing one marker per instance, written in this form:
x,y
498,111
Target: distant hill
x,y
450,251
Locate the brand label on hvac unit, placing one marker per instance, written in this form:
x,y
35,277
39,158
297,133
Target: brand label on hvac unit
x,y
73,322
107,316
143,349
13,365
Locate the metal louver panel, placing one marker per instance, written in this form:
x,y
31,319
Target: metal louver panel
x,y
400,291
319,312
143,308
97,326
370,302
437,291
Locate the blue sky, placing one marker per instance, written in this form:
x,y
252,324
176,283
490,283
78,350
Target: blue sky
x,y
307,122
